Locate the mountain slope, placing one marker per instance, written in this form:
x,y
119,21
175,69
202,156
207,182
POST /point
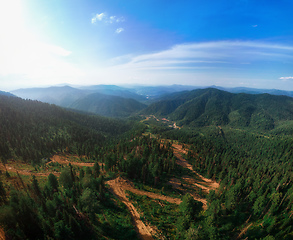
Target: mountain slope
x,y
115,91
61,96
107,105
205,107
6,94
32,130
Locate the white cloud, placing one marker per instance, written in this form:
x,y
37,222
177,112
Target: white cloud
x,y
99,17
119,30
115,19
103,17
286,78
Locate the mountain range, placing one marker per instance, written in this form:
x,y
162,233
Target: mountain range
x,y
117,101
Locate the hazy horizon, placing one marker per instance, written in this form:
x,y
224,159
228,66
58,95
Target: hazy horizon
x,y
222,43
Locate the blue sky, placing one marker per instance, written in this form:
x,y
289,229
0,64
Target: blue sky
x,y
230,43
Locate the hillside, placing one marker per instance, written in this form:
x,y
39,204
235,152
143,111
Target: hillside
x,y
32,130
206,107
6,94
108,105
61,96
116,91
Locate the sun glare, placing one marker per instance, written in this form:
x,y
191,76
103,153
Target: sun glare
x,y
22,53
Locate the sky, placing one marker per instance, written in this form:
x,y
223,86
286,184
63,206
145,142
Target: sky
x,y
228,43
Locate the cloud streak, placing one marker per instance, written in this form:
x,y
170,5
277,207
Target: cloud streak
x,y
286,78
221,54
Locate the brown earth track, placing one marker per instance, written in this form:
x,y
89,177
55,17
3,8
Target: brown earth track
x,y
208,183
10,168
176,183
2,234
64,160
118,187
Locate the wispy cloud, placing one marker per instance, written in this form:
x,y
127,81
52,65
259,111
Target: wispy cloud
x,y
115,19
221,54
286,78
119,30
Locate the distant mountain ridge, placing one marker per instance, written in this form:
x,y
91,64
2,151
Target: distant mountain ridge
x,y
256,91
108,105
117,103
61,96
204,107
6,94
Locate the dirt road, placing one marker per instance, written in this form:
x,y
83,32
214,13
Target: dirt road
x,y
64,161
118,187
206,184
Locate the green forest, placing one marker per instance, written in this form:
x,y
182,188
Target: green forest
x,y
202,164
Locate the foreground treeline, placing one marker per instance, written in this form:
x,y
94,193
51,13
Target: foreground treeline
x,y
255,175
75,206
31,130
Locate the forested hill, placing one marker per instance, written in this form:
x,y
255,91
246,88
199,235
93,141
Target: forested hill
x,y
61,96
31,130
108,105
210,106
6,94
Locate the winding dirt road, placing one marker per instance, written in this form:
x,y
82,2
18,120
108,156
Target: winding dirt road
x,y
118,187
207,184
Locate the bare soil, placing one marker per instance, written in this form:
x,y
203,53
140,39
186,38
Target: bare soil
x,y
2,234
207,184
176,183
118,187
12,166
64,161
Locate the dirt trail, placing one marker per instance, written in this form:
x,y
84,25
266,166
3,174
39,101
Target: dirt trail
x,y
2,234
13,169
64,160
118,187
176,183
127,185
208,183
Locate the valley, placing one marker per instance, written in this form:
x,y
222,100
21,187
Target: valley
x,y
201,164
